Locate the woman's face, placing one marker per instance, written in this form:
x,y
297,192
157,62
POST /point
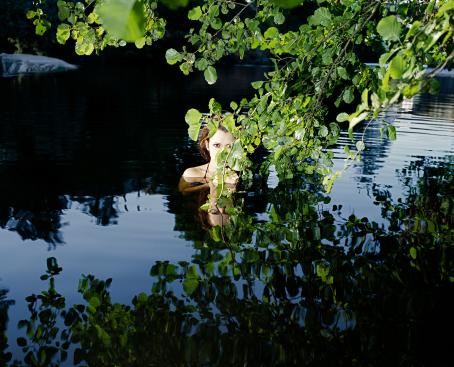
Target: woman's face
x,y
217,142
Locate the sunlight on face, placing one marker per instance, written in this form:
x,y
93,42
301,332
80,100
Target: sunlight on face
x,y
217,142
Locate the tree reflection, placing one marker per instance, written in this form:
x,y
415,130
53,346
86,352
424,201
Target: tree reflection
x,y
4,305
306,286
40,219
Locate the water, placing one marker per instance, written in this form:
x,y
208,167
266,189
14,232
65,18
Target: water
x,y
90,163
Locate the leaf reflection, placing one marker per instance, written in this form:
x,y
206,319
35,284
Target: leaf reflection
x,y
306,286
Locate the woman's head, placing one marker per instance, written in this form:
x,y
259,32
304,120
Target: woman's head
x,y
209,147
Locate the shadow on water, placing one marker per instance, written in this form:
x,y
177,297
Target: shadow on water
x,y
305,287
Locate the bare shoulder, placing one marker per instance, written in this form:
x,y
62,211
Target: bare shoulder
x,y
195,172
193,179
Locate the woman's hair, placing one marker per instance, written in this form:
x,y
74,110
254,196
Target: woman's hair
x,y
204,136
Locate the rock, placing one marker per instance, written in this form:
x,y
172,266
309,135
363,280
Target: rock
x,y
15,64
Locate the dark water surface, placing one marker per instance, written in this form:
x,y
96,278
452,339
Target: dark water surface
x,y
89,167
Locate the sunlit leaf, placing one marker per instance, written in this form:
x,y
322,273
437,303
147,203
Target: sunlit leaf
x,y
63,33
124,19
193,118
397,67
447,6
173,56
322,16
389,28
360,145
210,75
342,117
195,13
357,119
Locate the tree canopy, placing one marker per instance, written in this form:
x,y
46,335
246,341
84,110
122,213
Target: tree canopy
x,y
320,80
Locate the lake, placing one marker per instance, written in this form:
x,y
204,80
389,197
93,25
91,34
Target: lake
x,y
90,162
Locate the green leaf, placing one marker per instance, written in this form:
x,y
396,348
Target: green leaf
x,y
357,119
214,106
63,33
30,14
195,13
322,16
94,302
342,117
173,56
327,58
279,18
323,132
447,6
103,335
389,28
215,233
415,27
397,67
365,99
229,122
201,64
123,19
210,75
375,101
342,72
175,4
140,42
142,297
391,132
299,133
360,145
92,18
40,28
257,85
185,68
413,253
271,32
84,47
287,4
383,59
191,281
348,95
434,86
216,24
193,118
190,285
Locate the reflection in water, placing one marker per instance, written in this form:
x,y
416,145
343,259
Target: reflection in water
x,y
89,142
87,151
421,123
4,305
286,282
439,106
305,287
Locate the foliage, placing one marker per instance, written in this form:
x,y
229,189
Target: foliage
x,y
317,64
85,22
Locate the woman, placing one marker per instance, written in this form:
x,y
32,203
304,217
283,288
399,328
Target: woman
x,y
202,178
196,178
